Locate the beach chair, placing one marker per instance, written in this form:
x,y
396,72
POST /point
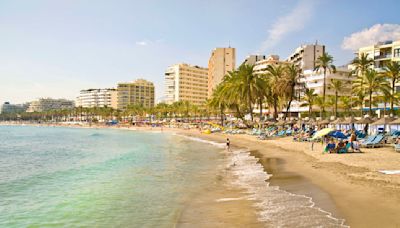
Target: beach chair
x,y
397,147
376,141
368,140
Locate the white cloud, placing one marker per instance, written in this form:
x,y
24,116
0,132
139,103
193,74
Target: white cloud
x,y
149,42
142,43
294,21
370,36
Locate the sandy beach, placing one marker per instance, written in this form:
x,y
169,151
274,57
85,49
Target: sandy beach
x,y
347,185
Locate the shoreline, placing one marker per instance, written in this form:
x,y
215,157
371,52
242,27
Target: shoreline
x,y
345,185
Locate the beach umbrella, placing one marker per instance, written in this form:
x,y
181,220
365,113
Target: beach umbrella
x,y
337,134
323,122
338,121
395,122
383,121
323,132
365,120
349,120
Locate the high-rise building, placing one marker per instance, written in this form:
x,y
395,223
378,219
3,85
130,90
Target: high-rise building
x,y
138,92
305,56
48,104
260,67
382,53
7,107
90,98
222,61
252,59
184,82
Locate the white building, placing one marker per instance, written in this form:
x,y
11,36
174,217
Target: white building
x,y
260,67
91,98
48,104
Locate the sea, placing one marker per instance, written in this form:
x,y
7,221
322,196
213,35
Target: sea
x,y
75,177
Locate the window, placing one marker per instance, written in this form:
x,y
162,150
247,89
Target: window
x,y
397,52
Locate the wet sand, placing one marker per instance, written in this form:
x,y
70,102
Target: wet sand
x,y
363,197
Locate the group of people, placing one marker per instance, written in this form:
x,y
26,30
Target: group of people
x,y
342,146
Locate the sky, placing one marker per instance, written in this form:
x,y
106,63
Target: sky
x,y
56,48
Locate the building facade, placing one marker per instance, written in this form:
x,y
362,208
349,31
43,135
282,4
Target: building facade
x,y
139,92
184,82
252,59
222,61
8,108
49,104
260,67
91,98
382,53
315,80
305,56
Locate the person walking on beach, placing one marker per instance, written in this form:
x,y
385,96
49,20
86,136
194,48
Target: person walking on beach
x,y
228,144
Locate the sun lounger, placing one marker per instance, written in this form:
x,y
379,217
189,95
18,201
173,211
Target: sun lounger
x,y
368,140
344,150
376,141
397,147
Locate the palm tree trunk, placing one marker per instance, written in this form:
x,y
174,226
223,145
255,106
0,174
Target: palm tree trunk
x,y
275,107
222,116
324,91
290,102
370,103
261,109
392,98
251,109
336,98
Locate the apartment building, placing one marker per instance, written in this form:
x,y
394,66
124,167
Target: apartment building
x,y
139,92
222,61
315,80
91,98
260,67
49,104
184,82
305,56
252,59
8,108
382,53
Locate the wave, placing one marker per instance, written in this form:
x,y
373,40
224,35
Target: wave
x,y
276,207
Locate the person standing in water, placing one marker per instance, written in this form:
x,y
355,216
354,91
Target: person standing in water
x,y
228,144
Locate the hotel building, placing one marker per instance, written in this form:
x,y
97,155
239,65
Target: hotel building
x,y
382,53
184,82
7,108
49,104
252,59
221,61
138,92
90,98
260,67
306,56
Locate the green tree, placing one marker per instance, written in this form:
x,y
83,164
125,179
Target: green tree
x,y
325,62
337,86
392,72
309,100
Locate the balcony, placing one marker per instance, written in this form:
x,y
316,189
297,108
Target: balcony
x,y
387,56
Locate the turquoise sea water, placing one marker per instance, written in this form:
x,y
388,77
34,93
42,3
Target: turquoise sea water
x,y
51,177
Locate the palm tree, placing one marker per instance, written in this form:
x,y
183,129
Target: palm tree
x,y
274,77
290,80
346,104
372,82
309,99
361,64
337,86
319,102
392,72
248,85
325,62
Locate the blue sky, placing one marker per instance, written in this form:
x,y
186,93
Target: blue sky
x,y
55,48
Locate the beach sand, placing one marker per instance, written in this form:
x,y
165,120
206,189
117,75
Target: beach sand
x,y
347,185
